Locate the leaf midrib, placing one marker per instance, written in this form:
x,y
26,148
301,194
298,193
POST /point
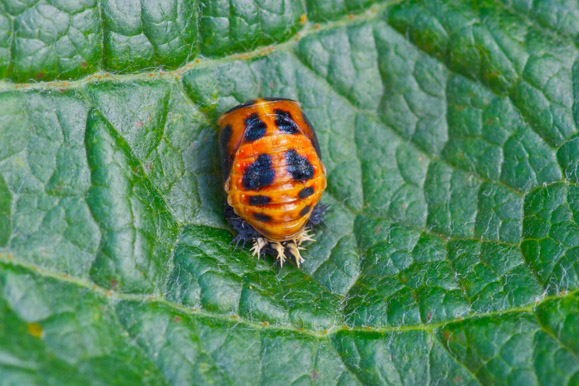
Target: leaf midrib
x,y
309,29
115,297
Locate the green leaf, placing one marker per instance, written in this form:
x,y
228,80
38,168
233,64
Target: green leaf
x,y
449,131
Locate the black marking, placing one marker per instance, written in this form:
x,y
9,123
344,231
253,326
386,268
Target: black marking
x,y
314,138
306,192
259,200
317,216
245,232
277,99
240,106
224,138
261,217
285,122
299,167
259,173
254,127
305,211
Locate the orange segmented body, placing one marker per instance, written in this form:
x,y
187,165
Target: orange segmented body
x,y
271,160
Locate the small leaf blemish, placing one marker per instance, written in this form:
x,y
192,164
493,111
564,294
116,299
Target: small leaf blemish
x,y
34,329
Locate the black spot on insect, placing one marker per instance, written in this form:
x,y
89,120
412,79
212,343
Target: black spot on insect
x,y
261,217
305,211
254,127
299,167
314,138
306,192
224,138
259,173
240,106
259,200
285,122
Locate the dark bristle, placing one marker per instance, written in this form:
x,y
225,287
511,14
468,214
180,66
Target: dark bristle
x,y
317,216
245,232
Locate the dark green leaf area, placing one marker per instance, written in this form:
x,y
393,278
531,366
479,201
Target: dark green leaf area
x,y
334,9
44,166
242,25
520,349
77,340
504,52
449,254
5,210
256,292
49,40
131,253
551,235
88,338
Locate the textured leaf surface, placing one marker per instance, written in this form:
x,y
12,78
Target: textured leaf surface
x,y
449,132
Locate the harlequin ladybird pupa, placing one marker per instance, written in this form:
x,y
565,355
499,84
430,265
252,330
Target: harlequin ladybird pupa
x,y
274,176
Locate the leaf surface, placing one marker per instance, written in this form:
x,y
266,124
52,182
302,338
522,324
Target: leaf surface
x,y
449,133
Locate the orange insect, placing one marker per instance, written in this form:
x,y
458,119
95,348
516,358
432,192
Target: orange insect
x,y
274,175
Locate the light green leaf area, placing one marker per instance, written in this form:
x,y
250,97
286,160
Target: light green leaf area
x,y
449,133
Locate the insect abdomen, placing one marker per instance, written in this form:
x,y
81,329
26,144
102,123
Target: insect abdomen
x,y
275,174
267,189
